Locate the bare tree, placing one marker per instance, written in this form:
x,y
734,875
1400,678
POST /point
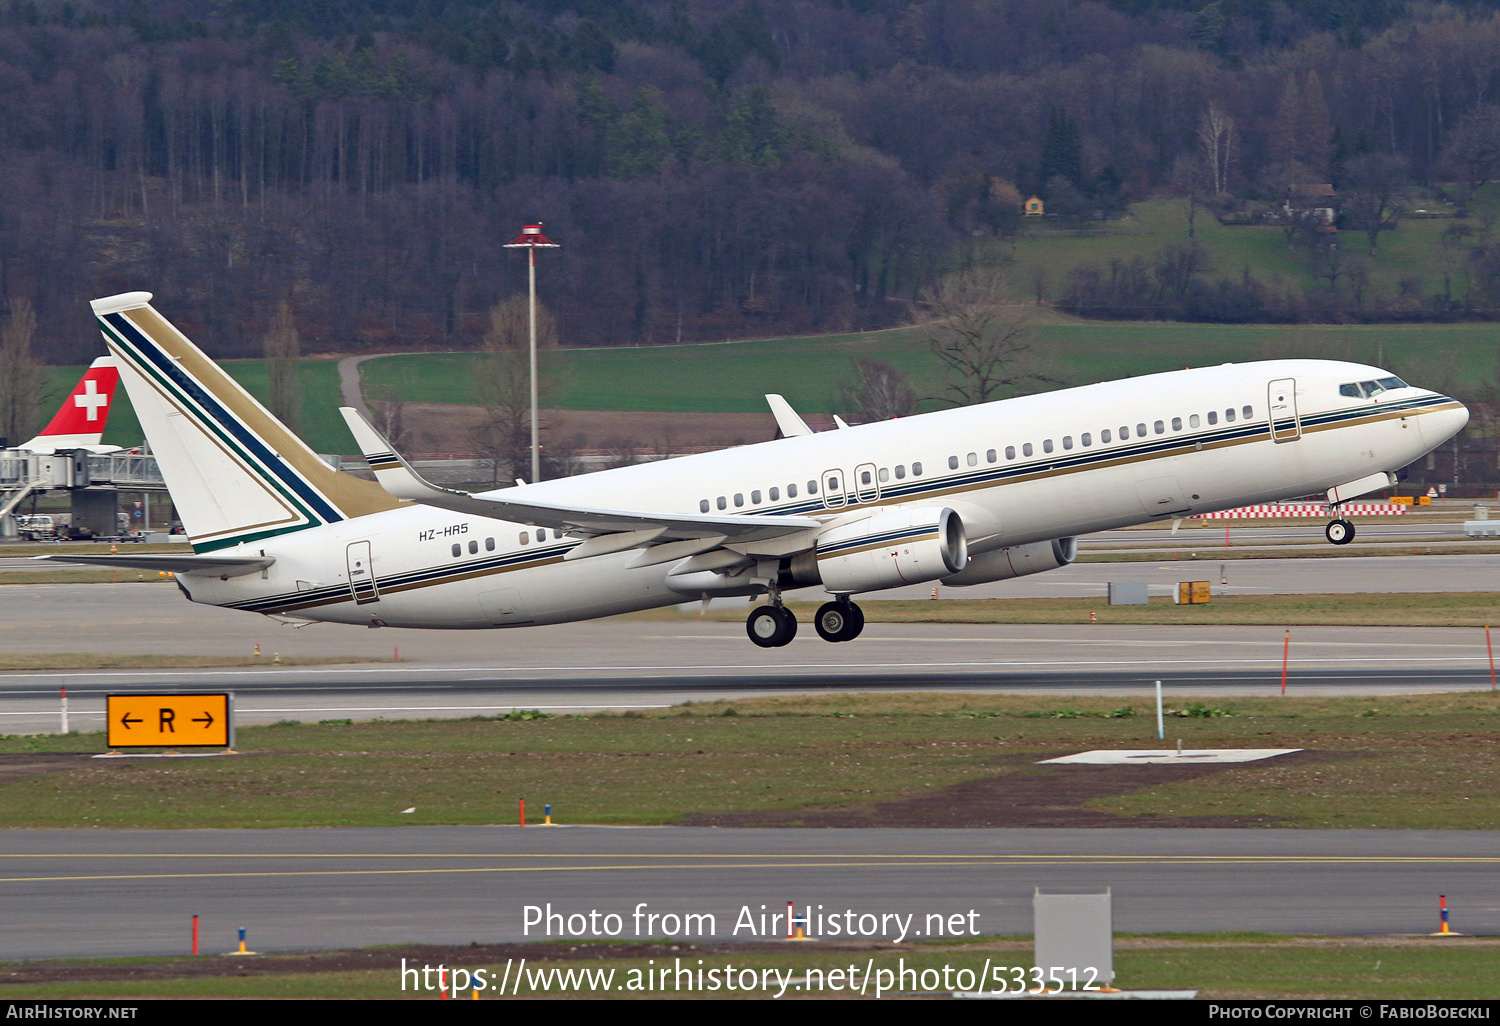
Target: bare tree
x,y
1376,194
389,412
1473,150
21,380
502,383
1216,145
283,349
985,342
878,391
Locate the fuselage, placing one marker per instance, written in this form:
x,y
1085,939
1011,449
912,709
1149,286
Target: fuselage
x,y
1040,467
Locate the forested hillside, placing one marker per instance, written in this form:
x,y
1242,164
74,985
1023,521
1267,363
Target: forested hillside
x,y
716,169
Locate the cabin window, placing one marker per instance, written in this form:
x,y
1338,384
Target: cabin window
x,y
1104,437
1160,427
1124,432
1010,452
1140,430
1247,412
1229,416
1067,441
473,547
755,497
723,503
739,499
457,549
1176,423
885,475
525,537
1192,420
916,470
952,462
702,505
991,456
1026,449
812,488
791,491
1046,445
541,534
1086,439
1389,383
1351,390
489,545
973,459
900,471
775,493
864,477
1213,417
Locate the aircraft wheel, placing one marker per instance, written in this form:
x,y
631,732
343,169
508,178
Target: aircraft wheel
x,y
1340,532
789,622
839,621
767,627
856,622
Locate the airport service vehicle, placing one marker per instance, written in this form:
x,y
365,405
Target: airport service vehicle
x,y
964,496
79,421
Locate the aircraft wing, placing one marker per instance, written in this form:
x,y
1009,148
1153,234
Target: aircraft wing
x,y
398,478
186,563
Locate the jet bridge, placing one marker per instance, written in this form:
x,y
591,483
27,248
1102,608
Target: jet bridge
x,y
93,482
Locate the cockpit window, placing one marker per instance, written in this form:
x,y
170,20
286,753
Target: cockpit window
x,y
1370,389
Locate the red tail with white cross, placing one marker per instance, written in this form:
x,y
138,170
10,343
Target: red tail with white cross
x,y
81,419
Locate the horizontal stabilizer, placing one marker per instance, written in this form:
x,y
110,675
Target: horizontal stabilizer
x,y
398,478
186,563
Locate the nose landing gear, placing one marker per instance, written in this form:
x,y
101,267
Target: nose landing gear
x,y
1340,531
839,620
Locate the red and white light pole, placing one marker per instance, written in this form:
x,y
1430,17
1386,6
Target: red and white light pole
x,y
532,239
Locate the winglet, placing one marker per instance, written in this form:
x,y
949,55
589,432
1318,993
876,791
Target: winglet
x,y
786,417
395,475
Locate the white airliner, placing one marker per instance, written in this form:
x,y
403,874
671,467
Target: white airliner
x,y
80,420
963,496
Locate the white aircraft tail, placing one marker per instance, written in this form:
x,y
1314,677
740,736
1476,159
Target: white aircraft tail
x,y
236,474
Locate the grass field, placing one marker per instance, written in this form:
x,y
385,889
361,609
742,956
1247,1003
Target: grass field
x,y
1215,965
11,661
1394,762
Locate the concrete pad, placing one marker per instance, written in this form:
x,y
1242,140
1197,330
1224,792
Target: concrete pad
x,y
1166,757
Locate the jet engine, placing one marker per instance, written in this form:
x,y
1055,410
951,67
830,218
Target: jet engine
x,y
1016,561
892,548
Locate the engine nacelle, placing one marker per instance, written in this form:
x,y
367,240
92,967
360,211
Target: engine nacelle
x,y
892,548
1016,561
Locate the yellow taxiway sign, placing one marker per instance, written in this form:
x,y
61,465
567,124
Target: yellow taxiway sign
x,y
171,721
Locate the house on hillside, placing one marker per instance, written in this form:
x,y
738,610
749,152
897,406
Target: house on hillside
x,y
1033,207
1318,203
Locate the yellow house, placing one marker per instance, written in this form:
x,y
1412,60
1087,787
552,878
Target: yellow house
x,y
1033,207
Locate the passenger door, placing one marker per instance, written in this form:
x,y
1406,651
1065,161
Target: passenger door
x,y
832,485
362,573
1281,396
866,483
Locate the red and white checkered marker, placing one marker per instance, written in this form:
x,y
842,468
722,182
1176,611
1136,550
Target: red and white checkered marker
x,y
1311,509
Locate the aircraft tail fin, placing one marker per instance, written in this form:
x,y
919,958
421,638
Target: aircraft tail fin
x,y
236,474
80,420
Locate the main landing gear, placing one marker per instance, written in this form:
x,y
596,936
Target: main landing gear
x,y
839,620
1340,532
771,626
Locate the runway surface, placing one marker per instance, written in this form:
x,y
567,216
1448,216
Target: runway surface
x,y
627,663
77,893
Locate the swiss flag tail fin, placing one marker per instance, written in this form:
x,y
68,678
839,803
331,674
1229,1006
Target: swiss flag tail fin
x,y
83,414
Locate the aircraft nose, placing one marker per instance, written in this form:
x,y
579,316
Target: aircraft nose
x,y
1441,425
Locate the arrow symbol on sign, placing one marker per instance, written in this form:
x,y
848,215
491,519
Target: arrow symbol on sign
x,y
207,719
128,721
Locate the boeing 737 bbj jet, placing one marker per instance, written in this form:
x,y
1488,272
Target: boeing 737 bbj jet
x,y
963,496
